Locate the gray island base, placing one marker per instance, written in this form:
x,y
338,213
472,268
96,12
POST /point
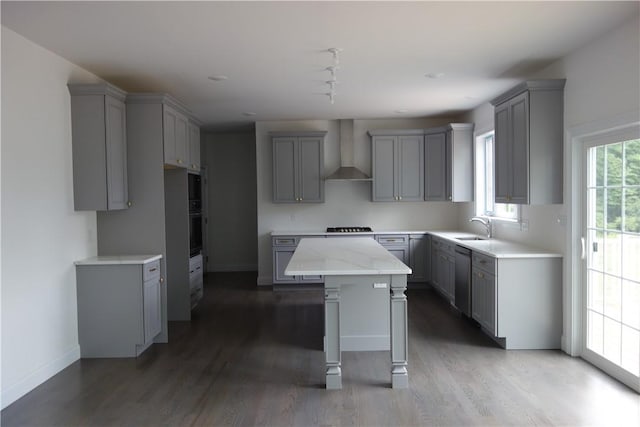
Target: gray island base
x,y
364,301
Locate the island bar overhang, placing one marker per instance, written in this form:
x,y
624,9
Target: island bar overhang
x,y
364,297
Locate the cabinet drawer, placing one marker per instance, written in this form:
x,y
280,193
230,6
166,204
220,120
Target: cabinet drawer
x,y
151,270
195,264
393,240
483,262
284,241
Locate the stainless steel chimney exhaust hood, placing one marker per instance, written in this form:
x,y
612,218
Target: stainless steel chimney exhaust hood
x,y
347,171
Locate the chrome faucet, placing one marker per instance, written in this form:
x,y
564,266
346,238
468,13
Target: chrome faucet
x,y
486,222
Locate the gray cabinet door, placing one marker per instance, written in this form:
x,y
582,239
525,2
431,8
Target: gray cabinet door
x,y
384,164
519,115
152,309
175,134
435,167
411,168
477,295
310,169
284,170
116,152
502,154
417,259
194,147
281,258
99,147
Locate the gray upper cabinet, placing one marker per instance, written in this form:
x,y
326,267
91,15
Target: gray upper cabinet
x,y
99,133
435,184
529,143
448,162
298,167
397,165
194,146
176,137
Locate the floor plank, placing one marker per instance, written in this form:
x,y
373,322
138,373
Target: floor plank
x,y
254,357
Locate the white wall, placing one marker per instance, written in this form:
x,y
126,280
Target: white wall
x,y
346,203
232,229
41,234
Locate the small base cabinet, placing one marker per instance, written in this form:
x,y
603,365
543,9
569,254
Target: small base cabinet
x,y
518,301
418,257
196,279
283,248
119,305
443,265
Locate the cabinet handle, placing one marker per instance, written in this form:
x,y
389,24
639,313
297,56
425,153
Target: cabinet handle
x,y
152,269
161,279
180,161
198,268
481,275
129,203
399,197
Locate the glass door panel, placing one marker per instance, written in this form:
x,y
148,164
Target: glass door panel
x,y
612,300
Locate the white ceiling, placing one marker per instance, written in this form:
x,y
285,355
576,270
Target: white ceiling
x,y
275,53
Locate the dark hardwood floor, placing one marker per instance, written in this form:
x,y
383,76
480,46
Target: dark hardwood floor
x,y
254,357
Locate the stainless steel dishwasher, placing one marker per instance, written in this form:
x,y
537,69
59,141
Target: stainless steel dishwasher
x,y
463,280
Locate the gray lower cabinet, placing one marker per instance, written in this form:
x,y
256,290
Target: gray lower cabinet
x,y
176,137
443,263
119,308
194,146
99,146
529,143
298,167
518,301
196,279
283,248
397,245
418,253
397,165
449,163
483,292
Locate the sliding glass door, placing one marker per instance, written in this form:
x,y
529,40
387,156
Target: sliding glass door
x,y
612,258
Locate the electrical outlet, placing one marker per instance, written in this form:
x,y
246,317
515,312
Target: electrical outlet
x,y
524,225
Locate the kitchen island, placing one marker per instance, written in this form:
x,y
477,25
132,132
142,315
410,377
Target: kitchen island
x,y
364,302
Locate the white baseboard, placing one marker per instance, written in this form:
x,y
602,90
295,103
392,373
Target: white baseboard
x,y
15,391
232,267
264,281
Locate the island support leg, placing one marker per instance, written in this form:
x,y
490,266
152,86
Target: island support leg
x,y
399,332
332,333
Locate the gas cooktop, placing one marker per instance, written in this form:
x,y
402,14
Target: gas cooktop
x,y
348,229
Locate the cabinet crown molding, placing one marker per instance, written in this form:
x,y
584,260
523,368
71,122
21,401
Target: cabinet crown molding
x,y
76,89
395,132
276,134
529,85
159,98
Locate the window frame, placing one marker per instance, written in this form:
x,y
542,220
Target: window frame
x,y
485,205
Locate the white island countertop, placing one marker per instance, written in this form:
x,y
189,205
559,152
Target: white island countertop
x,y
118,259
343,256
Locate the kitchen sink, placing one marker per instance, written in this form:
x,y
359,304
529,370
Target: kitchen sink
x,y
471,238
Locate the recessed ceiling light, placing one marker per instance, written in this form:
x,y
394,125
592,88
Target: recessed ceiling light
x,y
402,111
249,113
218,78
434,75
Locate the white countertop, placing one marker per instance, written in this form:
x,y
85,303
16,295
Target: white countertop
x,y
336,234
118,259
494,247
343,256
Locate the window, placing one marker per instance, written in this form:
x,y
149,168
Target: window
x,y
485,204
